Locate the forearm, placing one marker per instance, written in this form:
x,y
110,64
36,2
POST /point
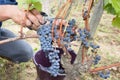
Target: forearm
x,y
19,16
6,11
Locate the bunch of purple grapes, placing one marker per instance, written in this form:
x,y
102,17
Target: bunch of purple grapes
x,y
104,75
70,35
55,63
45,37
97,59
84,35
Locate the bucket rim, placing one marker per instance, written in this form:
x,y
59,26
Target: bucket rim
x,y
34,60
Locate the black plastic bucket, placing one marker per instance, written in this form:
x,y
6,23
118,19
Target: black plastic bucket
x,y
41,62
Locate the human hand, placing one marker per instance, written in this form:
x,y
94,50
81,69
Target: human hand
x,y
31,19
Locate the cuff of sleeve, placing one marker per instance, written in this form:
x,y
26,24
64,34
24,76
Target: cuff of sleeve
x,y
0,24
9,3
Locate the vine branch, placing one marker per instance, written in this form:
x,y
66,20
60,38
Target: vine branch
x,y
18,38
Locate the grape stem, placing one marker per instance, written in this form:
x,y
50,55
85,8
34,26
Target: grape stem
x,y
86,15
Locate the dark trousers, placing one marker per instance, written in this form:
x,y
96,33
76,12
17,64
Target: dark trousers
x,y
17,51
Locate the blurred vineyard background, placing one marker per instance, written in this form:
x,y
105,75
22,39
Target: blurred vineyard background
x,y
107,36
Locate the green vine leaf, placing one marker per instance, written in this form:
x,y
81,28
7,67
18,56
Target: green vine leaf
x,y
113,7
109,8
116,5
106,2
35,4
116,21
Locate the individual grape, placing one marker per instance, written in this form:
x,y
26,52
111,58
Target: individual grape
x,y
98,57
83,36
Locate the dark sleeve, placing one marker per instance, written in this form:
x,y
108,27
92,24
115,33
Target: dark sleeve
x,y
0,24
8,2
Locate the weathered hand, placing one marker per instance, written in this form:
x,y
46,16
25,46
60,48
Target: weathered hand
x,y
31,18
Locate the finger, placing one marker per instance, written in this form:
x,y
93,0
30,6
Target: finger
x,y
33,19
25,23
37,14
34,27
28,23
